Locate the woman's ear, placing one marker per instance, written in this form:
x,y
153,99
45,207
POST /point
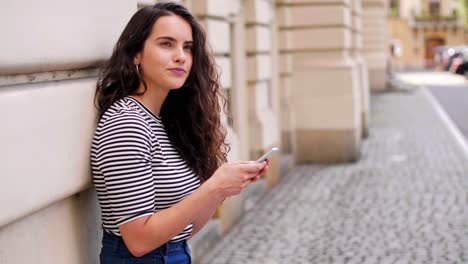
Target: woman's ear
x,y
136,59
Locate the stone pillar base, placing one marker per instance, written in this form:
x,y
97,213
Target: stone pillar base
x,y
253,193
272,176
365,95
326,146
327,113
377,79
286,141
205,240
365,124
229,212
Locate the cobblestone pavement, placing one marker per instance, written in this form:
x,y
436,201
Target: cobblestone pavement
x,y
405,201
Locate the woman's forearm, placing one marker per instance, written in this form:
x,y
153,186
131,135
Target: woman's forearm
x,y
204,217
147,233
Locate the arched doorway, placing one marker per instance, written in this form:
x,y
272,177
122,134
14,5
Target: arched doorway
x,y
430,44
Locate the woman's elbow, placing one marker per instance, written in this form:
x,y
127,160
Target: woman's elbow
x,y
133,235
136,244
137,249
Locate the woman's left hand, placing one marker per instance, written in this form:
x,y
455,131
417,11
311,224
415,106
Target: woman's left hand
x,y
263,171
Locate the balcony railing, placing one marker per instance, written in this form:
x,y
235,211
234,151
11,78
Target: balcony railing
x,y
426,18
428,21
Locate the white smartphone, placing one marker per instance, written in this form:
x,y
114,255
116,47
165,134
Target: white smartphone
x,y
266,155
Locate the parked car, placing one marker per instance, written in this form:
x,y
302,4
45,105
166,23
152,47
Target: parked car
x,y
444,56
460,63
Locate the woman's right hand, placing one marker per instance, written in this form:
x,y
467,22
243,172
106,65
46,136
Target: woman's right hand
x,y
232,177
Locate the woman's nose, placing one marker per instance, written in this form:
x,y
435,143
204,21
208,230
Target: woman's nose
x,y
180,55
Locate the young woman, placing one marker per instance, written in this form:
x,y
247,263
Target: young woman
x,y
159,154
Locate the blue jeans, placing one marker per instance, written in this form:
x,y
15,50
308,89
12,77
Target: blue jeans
x,y
114,251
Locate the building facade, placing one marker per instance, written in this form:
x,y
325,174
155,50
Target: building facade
x,y
298,74
416,27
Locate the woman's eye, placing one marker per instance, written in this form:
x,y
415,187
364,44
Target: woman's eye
x,y
166,44
189,48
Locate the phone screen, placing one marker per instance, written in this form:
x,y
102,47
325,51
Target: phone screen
x,y
266,155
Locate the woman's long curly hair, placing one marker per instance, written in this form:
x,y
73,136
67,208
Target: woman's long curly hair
x,y
191,114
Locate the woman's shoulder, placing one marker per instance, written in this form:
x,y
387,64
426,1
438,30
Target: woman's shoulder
x,y
124,112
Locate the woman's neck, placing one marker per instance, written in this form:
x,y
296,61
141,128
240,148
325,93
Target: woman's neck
x,y
152,99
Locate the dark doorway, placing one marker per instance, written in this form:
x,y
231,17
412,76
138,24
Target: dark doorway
x,y
431,43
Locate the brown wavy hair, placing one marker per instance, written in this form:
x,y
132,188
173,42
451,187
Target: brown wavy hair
x,y
191,114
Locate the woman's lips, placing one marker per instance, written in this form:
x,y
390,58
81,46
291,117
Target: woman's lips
x,y
177,71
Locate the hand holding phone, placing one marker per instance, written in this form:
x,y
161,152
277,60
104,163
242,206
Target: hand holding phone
x,y
266,155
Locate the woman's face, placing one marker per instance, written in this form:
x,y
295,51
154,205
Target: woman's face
x,y
166,58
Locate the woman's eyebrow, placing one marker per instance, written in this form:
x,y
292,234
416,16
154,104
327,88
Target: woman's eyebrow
x,y
166,37
173,39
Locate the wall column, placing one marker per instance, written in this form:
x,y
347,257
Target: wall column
x,y
263,99
325,89
285,78
374,21
47,124
356,53
224,25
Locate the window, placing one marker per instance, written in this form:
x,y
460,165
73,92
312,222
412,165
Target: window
x,y
394,3
394,8
434,8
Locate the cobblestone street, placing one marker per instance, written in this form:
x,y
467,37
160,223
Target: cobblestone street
x,y
405,201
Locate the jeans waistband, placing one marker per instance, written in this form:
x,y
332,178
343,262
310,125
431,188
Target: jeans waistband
x,y
174,246
164,249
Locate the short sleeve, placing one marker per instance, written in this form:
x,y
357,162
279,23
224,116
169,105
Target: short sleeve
x,y
123,157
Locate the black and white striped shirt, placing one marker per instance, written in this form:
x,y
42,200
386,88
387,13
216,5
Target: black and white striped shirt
x,y
136,170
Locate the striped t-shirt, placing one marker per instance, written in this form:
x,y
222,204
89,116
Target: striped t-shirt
x,y
136,170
